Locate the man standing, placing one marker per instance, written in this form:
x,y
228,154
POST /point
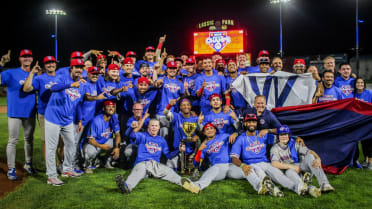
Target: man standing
x,y
331,92
345,82
277,64
21,112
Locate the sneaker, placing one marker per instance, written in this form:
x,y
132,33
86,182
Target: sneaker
x,y
121,184
78,171
55,182
195,175
188,185
315,192
327,188
88,170
364,164
12,174
72,174
263,188
270,186
28,167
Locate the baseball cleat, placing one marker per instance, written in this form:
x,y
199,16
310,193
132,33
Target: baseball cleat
x,y
72,174
315,192
195,175
121,184
55,182
12,174
263,189
277,192
307,178
28,167
78,171
188,185
88,170
327,188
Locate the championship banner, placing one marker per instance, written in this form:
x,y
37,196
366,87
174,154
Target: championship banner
x,y
331,129
281,89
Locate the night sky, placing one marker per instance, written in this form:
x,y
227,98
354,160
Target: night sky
x,y
309,27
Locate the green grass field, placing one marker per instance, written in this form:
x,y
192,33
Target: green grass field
x,y
98,190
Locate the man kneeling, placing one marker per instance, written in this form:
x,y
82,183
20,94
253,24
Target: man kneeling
x,y
150,148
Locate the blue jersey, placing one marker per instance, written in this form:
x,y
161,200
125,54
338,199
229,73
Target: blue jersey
x,y
223,122
64,71
331,94
171,89
217,150
215,85
145,123
102,130
245,69
179,134
151,66
149,147
42,84
191,88
250,149
64,101
19,103
135,74
256,69
346,86
89,107
365,96
237,99
132,96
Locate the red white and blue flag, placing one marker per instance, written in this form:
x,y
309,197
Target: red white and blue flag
x,y
331,129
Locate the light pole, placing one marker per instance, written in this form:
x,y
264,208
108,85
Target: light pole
x,y
55,12
357,36
280,2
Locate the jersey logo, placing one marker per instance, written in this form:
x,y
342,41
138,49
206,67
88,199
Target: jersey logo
x,y
94,93
73,93
218,40
107,90
144,102
255,147
233,90
262,121
21,82
49,85
219,122
172,87
152,147
326,98
215,147
211,86
346,89
106,133
191,84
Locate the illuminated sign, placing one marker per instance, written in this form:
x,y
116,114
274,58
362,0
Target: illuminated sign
x,y
225,42
212,23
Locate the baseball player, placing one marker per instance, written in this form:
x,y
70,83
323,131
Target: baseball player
x,y
59,115
100,137
295,158
189,79
345,82
21,112
65,70
251,148
331,92
177,121
224,122
42,85
216,149
237,100
150,148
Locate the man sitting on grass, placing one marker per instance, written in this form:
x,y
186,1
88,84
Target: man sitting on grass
x,y
150,148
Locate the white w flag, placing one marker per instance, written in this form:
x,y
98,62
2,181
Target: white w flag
x,y
280,89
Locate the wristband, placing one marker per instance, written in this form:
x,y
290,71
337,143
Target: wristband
x,y
168,107
228,100
241,165
201,90
159,45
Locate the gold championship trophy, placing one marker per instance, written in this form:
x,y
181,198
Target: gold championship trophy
x,y
189,129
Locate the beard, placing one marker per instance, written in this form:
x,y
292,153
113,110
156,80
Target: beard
x,y
250,128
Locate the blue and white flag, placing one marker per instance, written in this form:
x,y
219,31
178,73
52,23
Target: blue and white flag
x,y
281,89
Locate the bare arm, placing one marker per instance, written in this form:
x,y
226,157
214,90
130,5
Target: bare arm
x,y
27,87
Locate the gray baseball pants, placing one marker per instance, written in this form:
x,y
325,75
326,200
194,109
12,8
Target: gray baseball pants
x,y
152,168
90,152
254,177
164,126
215,173
14,125
52,132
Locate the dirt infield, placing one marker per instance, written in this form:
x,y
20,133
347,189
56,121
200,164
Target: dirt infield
x,y
3,109
7,186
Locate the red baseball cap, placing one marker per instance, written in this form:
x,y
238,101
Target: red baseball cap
x,y
190,60
172,64
150,48
209,125
131,53
109,102
263,52
250,116
143,80
214,95
228,62
113,67
49,59
77,62
128,60
25,52
299,61
221,61
101,56
76,54
93,70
